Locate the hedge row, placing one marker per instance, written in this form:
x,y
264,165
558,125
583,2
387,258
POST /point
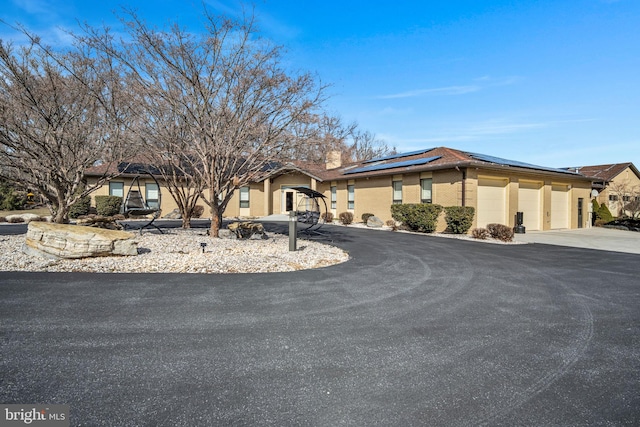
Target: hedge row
x,y
423,217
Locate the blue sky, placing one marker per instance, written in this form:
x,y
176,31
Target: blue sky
x,y
554,83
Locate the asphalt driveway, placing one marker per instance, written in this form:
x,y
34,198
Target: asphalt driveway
x,y
414,330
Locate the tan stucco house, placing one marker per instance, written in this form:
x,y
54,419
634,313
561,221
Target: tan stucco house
x,y
497,188
614,184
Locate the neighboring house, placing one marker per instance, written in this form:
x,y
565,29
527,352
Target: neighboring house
x,y
497,188
615,184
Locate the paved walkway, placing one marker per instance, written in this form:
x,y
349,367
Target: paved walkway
x,y
604,239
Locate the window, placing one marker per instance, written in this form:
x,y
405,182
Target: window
x,y
351,196
425,190
397,192
613,198
334,197
116,189
244,197
152,196
626,198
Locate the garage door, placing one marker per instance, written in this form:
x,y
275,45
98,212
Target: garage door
x,y
559,206
529,196
492,204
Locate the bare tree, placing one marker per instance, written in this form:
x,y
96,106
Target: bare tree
x,y
54,121
227,90
326,133
624,193
365,146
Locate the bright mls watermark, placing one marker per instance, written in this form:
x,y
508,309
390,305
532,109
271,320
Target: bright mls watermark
x,y
34,415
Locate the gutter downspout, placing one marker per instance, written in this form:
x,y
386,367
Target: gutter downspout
x,y
464,185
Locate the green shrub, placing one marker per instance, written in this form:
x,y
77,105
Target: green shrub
x,y
346,218
422,217
480,233
459,218
595,207
365,217
327,217
604,213
81,207
108,205
500,232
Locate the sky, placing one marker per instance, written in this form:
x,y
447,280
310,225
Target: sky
x,y
553,83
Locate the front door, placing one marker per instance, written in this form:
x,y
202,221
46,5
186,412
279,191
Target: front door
x,y
289,201
580,203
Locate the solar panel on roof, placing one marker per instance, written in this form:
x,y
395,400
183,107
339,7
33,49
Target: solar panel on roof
x,y
414,162
515,163
398,156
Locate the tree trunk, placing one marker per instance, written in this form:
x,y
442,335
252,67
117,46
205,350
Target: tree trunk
x,y
186,221
61,216
216,220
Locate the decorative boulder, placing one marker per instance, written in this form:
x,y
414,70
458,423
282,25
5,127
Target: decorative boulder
x,y
374,222
58,241
174,214
248,230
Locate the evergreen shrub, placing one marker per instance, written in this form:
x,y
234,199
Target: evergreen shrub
x,y
108,205
422,217
81,207
604,213
459,218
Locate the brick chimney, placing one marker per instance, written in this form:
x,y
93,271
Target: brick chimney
x,y
334,159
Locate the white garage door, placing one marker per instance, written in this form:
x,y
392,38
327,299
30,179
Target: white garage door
x,y
559,206
529,196
492,204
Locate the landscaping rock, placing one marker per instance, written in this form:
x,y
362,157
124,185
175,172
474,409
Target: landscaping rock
x,y
374,222
74,241
248,230
174,214
99,221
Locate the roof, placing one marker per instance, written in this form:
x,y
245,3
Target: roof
x,y
437,159
430,159
606,172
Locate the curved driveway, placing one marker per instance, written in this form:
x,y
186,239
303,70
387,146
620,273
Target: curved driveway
x,y
413,330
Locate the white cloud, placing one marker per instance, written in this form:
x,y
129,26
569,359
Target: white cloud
x,y
481,83
449,90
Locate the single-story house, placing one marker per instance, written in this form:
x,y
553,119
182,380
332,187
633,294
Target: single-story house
x,y
497,188
614,184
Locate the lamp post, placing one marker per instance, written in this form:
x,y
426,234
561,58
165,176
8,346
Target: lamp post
x,y
293,231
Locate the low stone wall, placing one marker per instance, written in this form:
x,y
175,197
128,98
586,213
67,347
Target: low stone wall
x,y
73,241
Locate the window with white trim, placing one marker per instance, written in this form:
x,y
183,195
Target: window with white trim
x,y
425,190
397,192
244,197
152,194
334,197
351,196
116,189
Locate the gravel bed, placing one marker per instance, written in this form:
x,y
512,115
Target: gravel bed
x,y
179,251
